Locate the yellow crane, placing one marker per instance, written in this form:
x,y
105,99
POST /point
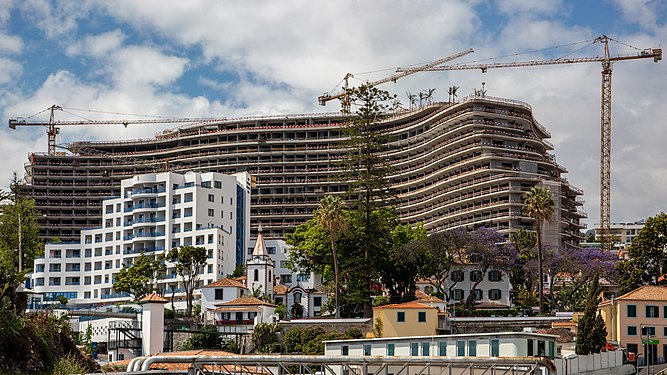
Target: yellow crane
x,y
605,113
53,127
344,95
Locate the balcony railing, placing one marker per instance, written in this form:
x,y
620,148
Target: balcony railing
x,y
145,205
114,295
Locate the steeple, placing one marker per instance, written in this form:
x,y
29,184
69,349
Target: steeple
x,y
260,246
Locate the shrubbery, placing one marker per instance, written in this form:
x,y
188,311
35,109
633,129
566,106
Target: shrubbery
x,y
310,340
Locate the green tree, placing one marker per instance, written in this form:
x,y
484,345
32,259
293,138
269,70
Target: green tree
x,y
538,203
524,242
265,337
364,166
238,271
19,243
188,261
400,268
647,259
140,279
206,338
331,216
591,330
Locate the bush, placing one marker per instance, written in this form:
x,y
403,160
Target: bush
x,y
68,365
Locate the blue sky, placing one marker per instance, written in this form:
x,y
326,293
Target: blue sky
x,y
210,58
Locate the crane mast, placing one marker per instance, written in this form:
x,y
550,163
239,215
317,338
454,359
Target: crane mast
x,y
605,113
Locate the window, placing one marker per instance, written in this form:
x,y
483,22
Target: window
x,y
285,279
648,331
317,301
271,250
478,294
550,353
345,350
461,348
367,349
414,349
39,268
442,348
529,348
426,349
652,311
176,199
495,348
632,311
495,275
495,294
458,295
206,184
390,350
472,348
400,316
421,316
632,330
256,275
475,276
457,275
664,311
211,212
211,198
54,267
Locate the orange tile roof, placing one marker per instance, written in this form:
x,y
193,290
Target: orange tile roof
x,y
246,301
280,289
406,305
237,308
429,299
643,293
153,298
225,282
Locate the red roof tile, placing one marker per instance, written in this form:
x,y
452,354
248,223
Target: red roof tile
x,y
225,282
406,305
245,301
153,298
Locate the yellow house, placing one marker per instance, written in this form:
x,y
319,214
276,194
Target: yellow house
x,y
406,319
638,321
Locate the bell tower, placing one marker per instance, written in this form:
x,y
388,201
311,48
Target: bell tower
x,y
260,270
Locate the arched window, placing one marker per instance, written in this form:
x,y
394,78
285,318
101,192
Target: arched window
x,y
270,276
256,275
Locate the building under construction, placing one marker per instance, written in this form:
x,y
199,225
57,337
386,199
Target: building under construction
x,y
463,164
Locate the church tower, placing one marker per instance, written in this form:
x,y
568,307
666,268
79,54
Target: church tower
x,y
260,268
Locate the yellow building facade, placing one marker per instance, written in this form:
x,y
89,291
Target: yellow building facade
x,y
638,321
406,319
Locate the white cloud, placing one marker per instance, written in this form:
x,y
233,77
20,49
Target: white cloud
x,y
281,55
643,13
9,70
97,45
10,43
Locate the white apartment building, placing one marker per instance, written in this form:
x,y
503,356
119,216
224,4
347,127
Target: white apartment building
x,y
622,234
154,213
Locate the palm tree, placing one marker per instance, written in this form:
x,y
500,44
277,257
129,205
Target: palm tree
x,y
421,95
538,203
429,96
452,93
412,98
330,215
396,105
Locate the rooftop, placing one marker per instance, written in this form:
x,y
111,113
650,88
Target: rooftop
x,y
225,282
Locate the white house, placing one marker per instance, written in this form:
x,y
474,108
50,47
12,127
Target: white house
x,y
503,344
155,213
241,314
222,290
493,291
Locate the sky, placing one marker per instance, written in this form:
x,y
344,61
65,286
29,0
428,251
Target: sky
x,y
219,58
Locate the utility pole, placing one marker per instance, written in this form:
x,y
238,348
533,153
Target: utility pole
x,y
20,247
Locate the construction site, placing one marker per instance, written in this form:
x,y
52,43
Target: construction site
x,y
463,163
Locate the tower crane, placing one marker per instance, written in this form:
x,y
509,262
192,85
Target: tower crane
x,y
605,113
53,127
344,96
